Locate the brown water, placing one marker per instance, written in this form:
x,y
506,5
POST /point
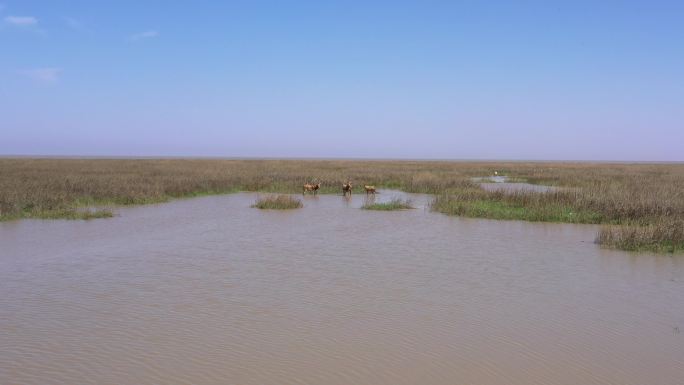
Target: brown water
x,y
210,291
500,183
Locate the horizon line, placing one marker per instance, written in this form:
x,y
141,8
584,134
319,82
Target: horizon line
x,y
209,157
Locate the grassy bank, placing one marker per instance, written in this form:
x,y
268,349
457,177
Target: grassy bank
x,y
639,211
394,204
278,202
637,196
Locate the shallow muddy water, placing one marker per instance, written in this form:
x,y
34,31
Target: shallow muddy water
x,y
512,187
501,183
211,291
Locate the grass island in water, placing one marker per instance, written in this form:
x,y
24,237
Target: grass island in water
x,y
278,202
394,204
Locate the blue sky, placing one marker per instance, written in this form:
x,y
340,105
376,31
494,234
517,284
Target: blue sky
x,y
578,80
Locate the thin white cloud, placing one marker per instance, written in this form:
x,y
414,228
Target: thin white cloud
x,y
21,21
144,35
47,75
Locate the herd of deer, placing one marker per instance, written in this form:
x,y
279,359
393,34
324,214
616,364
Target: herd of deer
x,y
346,188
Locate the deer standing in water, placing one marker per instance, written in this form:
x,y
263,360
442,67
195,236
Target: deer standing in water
x,y
347,188
311,188
369,189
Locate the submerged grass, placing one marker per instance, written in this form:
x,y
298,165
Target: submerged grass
x,y
644,198
394,204
277,202
63,213
76,214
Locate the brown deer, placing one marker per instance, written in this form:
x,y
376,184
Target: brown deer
x,y
369,189
311,188
347,188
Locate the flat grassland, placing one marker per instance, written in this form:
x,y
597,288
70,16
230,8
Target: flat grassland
x,y
640,205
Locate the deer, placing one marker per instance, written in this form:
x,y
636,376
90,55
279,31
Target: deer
x,y
369,189
311,188
347,188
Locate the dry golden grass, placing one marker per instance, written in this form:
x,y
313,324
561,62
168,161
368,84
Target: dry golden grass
x,y
636,196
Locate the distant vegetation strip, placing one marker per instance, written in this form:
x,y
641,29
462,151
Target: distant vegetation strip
x,y
641,204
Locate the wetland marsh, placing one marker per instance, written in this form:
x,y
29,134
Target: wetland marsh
x,y
211,291
641,205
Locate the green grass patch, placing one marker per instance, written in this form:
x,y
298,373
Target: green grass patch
x,y
495,209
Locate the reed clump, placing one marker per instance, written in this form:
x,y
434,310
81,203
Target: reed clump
x,y
665,235
278,202
394,204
